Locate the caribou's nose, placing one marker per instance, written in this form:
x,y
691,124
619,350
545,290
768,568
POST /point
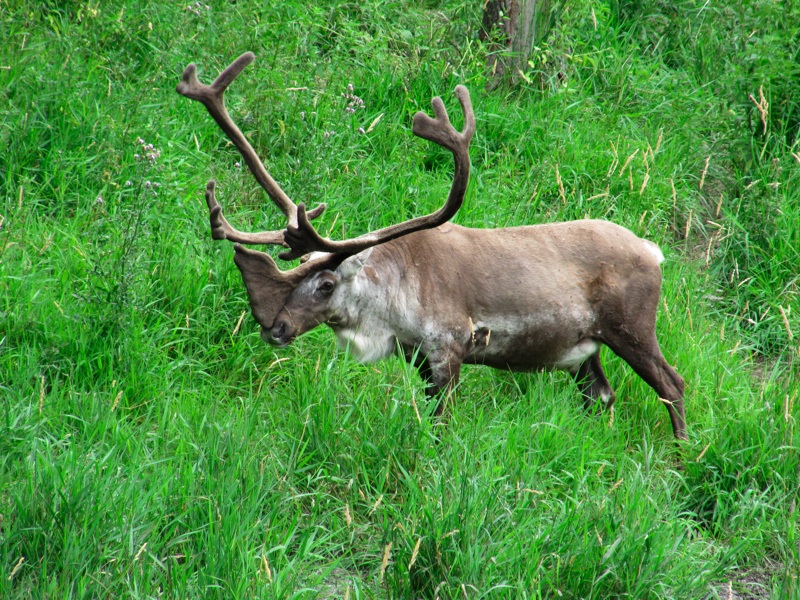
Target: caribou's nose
x,y
278,330
279,335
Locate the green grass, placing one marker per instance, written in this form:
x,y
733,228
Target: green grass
x,y
149,447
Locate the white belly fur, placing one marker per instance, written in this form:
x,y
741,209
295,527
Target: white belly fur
x,y
572,358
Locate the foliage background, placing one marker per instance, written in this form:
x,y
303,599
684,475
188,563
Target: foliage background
x,y
152,446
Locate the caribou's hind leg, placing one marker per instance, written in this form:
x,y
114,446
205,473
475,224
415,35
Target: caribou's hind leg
x,y
646,359
594,386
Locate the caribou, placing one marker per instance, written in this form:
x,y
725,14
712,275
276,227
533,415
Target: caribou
x,y
526,298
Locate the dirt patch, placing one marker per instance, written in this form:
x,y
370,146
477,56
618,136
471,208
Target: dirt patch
x,y
750,584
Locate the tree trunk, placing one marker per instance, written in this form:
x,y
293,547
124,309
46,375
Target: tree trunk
x,y
513,28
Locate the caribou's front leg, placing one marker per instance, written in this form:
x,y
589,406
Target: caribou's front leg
x,y
441,374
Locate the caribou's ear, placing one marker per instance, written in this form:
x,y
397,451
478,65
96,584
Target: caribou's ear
x,y
267,286
353,265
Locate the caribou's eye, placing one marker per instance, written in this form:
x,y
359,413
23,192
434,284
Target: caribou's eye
x,y
326,287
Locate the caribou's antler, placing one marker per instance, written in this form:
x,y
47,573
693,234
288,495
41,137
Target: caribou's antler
x,y
299,235
303,238
211,96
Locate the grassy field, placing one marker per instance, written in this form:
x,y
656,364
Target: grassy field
x,y
151,446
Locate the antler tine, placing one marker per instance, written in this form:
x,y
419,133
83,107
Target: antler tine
x,y
222,230
439,129
212,97
303,238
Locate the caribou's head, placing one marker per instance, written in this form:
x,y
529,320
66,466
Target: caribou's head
x,y
289,303
322,297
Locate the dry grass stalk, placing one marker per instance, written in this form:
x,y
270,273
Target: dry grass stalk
x,y
705,172
347,518
265,568
277,361
450,533
16,568
414,553
688,226
644,183
786,323
659,140
627,162
763,107
235,329
374,122
416,410
436,591
117,398
560,186
614,162
674,193
330,229
47,243
703,453
711,241
596,196
387,551
611,418
376,505
261,384
525,77
140,552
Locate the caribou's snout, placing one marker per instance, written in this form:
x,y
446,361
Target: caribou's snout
x,y
281,334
